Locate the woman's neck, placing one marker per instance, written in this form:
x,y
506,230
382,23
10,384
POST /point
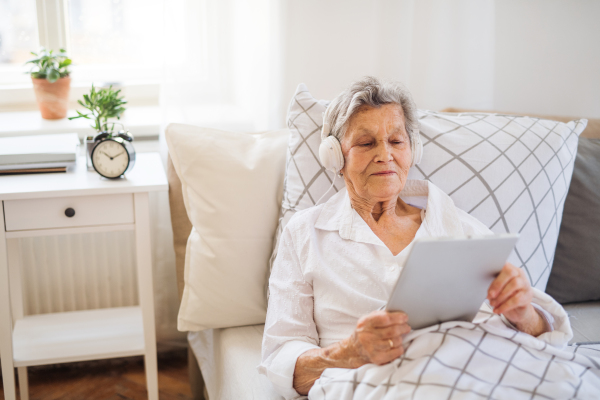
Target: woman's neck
x,y
374,210
371,210
391,219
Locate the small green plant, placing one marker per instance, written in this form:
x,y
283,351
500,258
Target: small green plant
x,y
103,103
49,65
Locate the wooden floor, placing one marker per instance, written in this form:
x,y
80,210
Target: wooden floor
x,y
110,379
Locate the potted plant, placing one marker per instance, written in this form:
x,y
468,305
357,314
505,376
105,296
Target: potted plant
x,y
103,103
51,82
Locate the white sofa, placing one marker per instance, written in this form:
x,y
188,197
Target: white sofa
x,y
227,358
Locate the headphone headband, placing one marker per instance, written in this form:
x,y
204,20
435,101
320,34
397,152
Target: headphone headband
x,y
325,130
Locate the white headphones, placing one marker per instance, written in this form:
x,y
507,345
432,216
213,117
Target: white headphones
x,y
330,150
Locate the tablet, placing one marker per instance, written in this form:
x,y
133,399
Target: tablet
x,y
447,279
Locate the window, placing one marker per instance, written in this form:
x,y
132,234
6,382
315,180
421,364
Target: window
x,y
108,40
18,31
18,37
117,40
115,32
188,45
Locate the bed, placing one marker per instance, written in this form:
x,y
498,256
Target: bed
x,y
223,361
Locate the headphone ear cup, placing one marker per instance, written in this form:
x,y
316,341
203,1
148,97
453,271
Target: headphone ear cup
x,y
330,153
417,149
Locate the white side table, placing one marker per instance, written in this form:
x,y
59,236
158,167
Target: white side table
x,y
35,205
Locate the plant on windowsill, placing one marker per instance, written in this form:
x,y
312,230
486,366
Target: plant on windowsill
x,y
51,82
102,103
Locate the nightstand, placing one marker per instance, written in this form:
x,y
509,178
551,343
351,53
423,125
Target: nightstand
x,y
76,202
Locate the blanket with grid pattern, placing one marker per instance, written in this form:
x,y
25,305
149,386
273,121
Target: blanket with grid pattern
x,y
485,359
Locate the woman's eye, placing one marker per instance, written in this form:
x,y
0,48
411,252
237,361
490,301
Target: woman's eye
x,y
365,144
397,141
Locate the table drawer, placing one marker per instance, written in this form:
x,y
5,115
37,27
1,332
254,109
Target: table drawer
x,y
66,212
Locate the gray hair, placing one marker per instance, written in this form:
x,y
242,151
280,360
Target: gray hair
x,y
372,92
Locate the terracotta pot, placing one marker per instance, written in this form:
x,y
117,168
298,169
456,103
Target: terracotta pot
x,y
52,98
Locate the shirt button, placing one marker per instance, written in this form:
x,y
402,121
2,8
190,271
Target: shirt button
x,y
393,267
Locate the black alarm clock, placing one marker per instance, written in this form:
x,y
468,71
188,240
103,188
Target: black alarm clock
x,y
113,155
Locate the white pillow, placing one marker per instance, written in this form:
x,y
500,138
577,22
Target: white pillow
x,y
485,162
232,185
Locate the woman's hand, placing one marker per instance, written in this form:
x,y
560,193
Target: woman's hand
x,y
377,338
511,294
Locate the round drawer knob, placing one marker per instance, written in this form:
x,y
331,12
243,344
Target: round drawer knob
x,y
69,212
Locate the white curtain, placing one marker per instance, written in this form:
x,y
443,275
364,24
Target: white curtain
x,y
222,63
234,64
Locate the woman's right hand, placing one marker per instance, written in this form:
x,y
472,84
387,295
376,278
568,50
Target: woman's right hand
x,y
377,338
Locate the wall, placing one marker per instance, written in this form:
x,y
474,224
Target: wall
x,y
329,44
535,56
547,57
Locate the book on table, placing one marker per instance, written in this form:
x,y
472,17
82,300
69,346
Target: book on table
x,y
40,153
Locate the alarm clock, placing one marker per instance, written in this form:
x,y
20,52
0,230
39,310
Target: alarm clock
x,y
112,155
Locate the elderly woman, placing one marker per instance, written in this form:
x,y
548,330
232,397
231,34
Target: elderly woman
x,y
338,261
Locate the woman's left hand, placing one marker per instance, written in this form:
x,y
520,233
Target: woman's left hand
x,y
511,294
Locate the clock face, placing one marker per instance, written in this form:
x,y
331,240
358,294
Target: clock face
x,y
110,159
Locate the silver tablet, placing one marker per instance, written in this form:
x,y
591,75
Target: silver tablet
x,y
446,279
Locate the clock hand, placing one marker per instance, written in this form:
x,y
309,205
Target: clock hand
x,y
118,155
107,155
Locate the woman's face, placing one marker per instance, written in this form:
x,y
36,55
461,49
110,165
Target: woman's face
x,y
377,152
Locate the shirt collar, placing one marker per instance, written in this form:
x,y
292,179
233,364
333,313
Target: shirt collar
x,y
441,218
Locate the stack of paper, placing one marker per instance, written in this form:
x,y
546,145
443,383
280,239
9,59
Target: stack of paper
x,y
43,153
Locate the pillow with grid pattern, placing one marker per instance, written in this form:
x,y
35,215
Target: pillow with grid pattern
x,y
306,180
510,172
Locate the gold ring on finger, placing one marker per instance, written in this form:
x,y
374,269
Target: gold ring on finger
x,y
391,343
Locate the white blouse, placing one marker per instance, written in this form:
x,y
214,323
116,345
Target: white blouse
x,y
331,269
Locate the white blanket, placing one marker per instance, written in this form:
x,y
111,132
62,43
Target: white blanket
x,y
485,359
